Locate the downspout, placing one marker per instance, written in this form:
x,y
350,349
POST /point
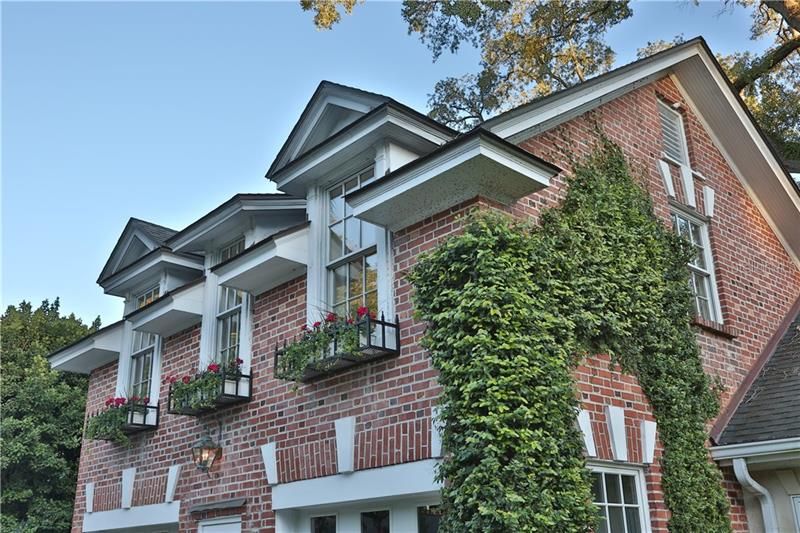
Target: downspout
x,y
764,498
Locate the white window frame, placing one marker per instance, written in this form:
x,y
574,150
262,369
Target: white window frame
x,y
322,515
155,348
317,278
153,294
230,249
795,499
682,130
225,314
641,486
224,521
708,258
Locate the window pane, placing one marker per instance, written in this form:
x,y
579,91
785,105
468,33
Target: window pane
x,y
632,519
375,522
323,524
352,306
699,259
428,519
371,301
335,241
352,233
599,495
350,185
683,227
629,489
340,285
356,278
369,234
336,206
616,521
612,488
602,527
371,263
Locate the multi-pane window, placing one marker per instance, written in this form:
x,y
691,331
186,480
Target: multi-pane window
x,y
375,522
352,251
147,297
428,519
231,249
673,134
323,524
142,354
700,267
229,324
617,496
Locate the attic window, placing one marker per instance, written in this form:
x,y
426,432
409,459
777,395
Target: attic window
x,y
147,297
673,134
231,249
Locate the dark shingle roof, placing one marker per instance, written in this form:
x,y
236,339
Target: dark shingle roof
x,y
770,409
160,234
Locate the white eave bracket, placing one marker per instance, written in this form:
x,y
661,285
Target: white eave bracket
x,y
267,264
476,164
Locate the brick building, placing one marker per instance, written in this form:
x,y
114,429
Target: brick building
x,y
351,444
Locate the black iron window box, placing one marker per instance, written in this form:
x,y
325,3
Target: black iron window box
x,y
376,339
225,390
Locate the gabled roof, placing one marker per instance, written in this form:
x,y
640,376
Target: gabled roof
x,y
138,238
767,407
314,128
707,90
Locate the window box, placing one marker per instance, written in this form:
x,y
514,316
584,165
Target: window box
x,y
213,389
121,419
336,345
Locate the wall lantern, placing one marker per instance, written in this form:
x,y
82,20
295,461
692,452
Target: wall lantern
x,y
204,452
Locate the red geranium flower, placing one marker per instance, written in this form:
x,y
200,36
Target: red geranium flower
x,y
119,401
109,401
213,367
186,379
316,324
330,317
350,320
146,400
173,379
303,327
239,361
135,399
363,310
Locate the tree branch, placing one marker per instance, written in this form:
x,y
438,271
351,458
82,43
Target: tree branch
x,y
788,9
766,63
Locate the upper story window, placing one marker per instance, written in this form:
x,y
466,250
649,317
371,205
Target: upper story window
x,y
231,249
229,325
619,495
674,135
147,297
352,255
141,368
701,267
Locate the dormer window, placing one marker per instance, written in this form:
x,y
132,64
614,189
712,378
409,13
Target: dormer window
x,y
352,251
231,249
674,135
147,297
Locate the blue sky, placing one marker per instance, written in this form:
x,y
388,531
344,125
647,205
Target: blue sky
x,y
162,111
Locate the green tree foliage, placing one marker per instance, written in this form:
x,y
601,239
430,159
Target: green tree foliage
x,y
530,48
42,419
511,309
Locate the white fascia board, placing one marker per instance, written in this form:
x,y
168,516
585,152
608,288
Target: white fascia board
x,y
560,107
95,351
406,479
173,313
756,449
245,204
158,261
160,514
368,132
271,264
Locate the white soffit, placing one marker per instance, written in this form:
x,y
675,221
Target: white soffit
x,y
96,350
264,266
173,312
705,88
477,164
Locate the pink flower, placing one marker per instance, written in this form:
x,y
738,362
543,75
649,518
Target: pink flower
x,y
363,310
330,317
213,367
109,401
186,379
316,324
119,401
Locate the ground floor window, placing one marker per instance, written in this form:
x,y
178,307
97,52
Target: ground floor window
x,y
621,497
375,522
323,524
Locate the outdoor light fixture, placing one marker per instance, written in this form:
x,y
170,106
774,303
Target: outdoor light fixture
x,y
205,451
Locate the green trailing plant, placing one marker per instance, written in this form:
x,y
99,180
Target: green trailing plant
x,y
202,390
315,347
110,423
512,308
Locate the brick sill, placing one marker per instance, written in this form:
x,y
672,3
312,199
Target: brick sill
x,y
715,327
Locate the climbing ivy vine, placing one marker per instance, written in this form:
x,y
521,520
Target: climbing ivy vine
x,y
512,308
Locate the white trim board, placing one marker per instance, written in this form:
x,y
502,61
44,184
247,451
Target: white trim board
x,y
406,479
159,514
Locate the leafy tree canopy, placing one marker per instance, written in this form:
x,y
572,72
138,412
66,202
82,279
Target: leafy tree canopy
x,y
42,418
530,48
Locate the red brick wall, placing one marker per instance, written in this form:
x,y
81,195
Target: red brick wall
x,y
392,399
